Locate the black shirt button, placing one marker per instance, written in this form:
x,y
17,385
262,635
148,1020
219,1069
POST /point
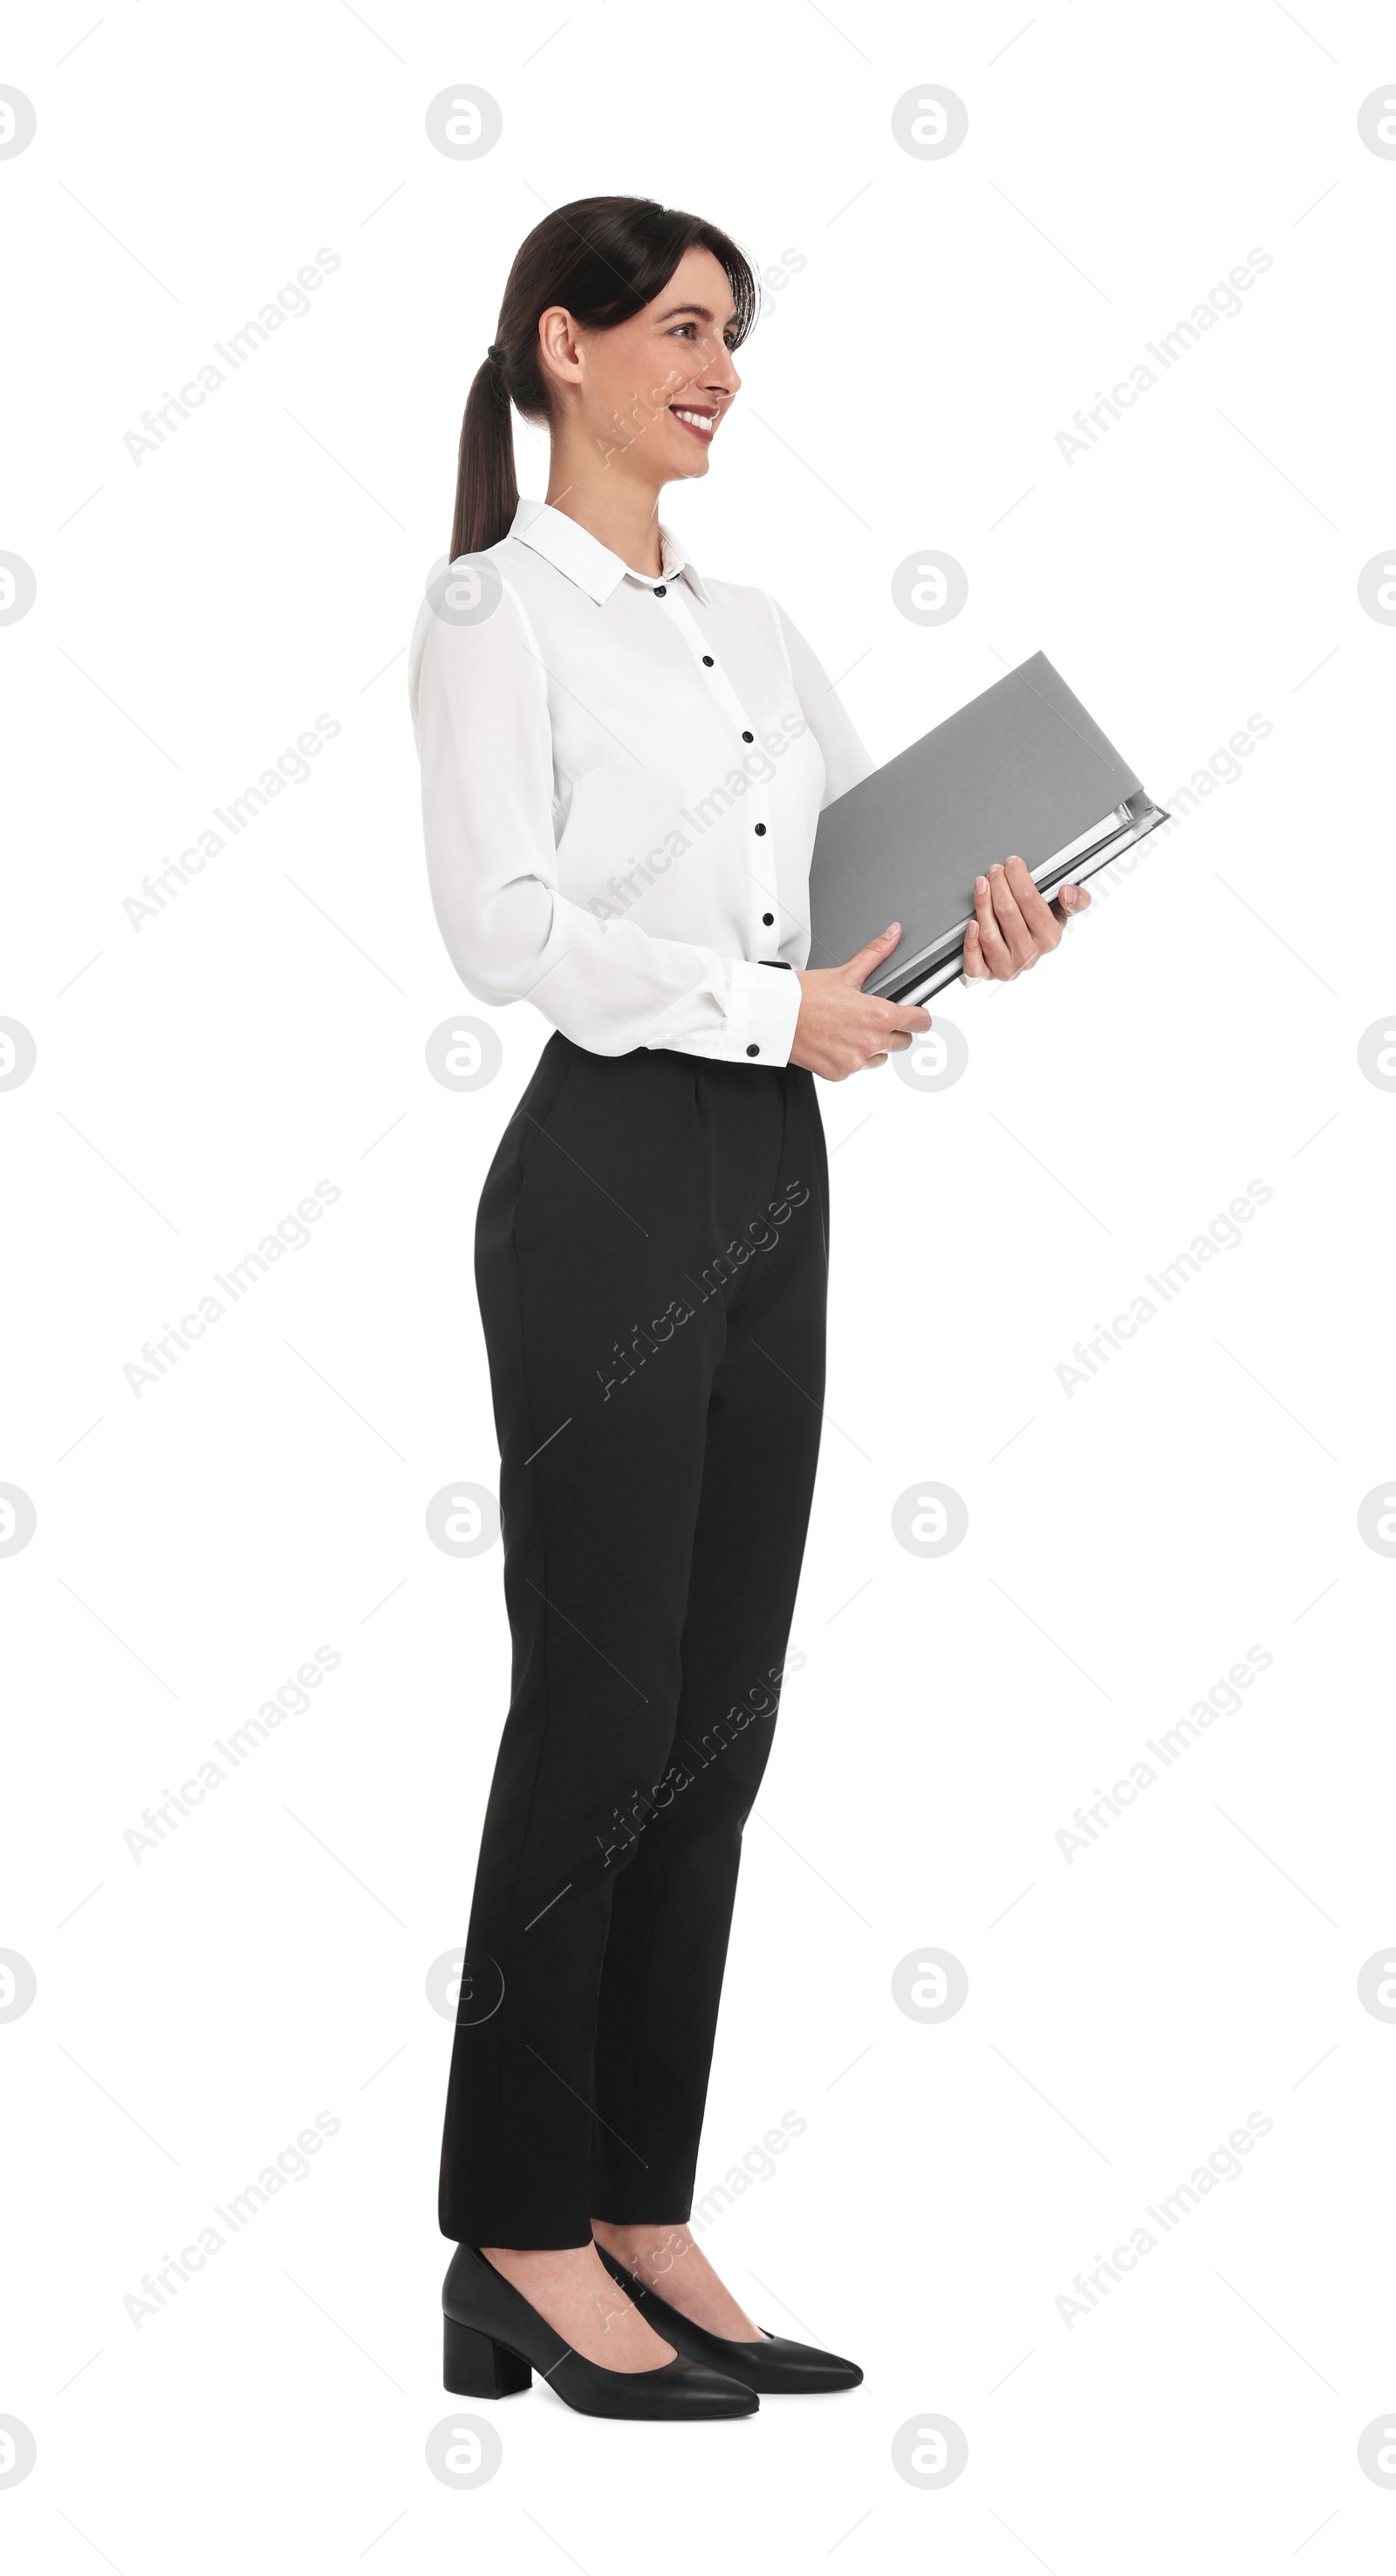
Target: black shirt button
x,y
707,661
760,831
753,1050
768,918
659,594
748,737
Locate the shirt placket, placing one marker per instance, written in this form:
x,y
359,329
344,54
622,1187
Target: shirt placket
x,y
763,924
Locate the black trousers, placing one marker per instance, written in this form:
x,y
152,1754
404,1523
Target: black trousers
x,y
651,1259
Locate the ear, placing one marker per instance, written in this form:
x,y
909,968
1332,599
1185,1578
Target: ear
x,y
559,348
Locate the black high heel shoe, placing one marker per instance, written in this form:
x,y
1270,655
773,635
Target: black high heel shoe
x,y
495,2341
774,2368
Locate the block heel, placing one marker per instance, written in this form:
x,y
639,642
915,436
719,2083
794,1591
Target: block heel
x,y
477,2366
495,2340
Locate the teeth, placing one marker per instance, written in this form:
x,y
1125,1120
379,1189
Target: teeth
x,y
698,419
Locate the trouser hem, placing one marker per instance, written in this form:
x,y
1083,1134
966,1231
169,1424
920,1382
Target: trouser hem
x,y
518,2234
654,2210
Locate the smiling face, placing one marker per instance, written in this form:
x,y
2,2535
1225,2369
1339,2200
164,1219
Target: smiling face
x,y
650,395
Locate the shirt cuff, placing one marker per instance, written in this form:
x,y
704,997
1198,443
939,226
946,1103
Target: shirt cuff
x,y
763,1006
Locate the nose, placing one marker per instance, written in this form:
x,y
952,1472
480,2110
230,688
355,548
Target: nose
x,y
718,375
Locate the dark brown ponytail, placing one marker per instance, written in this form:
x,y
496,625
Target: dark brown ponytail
x,y
604,259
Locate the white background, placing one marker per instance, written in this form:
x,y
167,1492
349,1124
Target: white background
x,y
1127,1542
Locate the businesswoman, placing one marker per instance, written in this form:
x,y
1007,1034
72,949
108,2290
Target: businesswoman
x,y
623,762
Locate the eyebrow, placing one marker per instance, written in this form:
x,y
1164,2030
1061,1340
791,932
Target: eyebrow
x,y
701,310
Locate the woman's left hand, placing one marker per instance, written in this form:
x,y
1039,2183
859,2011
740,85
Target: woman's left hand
x,y
1013,924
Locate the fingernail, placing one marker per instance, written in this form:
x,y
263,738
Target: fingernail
x,y
981,885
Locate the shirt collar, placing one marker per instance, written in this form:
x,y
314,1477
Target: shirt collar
x,y
582,558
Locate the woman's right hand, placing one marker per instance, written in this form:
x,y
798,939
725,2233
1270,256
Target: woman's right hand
x,y
841,1028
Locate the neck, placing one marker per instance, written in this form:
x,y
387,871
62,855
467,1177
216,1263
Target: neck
x,y
618,510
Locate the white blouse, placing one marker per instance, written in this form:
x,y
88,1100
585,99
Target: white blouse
x,y
621,778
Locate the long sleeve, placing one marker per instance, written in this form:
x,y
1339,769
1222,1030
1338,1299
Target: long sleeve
x,y
480,711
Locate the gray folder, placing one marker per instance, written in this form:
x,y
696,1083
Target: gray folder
x,y
1022,769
